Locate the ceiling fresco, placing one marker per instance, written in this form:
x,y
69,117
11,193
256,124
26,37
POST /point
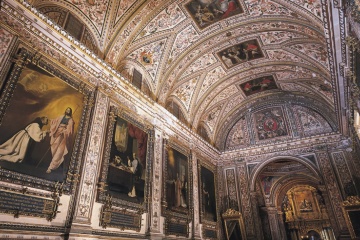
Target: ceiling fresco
x,y
215,58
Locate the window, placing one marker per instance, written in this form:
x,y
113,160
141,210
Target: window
x,y
137,79
203,133
175,110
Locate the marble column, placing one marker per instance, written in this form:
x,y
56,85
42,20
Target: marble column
x,y
89,176
196,211
156,221
281,225
274,222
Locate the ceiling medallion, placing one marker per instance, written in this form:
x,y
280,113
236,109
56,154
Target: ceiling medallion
x,y
146,58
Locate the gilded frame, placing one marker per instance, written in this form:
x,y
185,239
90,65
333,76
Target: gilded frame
x,y
233,215
351,210
24,59
203,170
103,188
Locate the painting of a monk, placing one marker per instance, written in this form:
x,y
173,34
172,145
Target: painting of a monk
x,y
42,147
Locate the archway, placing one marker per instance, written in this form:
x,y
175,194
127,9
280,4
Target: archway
x,y
290,201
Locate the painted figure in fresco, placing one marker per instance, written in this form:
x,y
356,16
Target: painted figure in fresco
x,y
14,149
61,131
133,166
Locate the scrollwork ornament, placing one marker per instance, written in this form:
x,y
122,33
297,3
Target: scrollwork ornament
x,y
352,201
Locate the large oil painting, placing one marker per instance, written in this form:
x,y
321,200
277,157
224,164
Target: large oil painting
x,y
207,195
176,181
207,12
240,53
40,126
258,85
127,164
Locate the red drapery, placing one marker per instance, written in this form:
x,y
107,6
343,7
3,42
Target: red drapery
x,y
141,138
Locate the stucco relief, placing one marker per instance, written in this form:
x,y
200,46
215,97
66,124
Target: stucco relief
x,y
168,18
149,56
5,41
295,72
231,189
183,40
122,8
314,6
315,51
156,185
269,8
92,159
246,201
200,64
310,122
344,174
283,55
185,91
238,136
323,88
95,10
128,29
331,183
276,37
220,96
213,76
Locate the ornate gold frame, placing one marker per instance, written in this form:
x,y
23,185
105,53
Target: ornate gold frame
x,y
102,185
173,217
233,215
20,60
351,204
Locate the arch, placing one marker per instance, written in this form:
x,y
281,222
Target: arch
x,y
298,159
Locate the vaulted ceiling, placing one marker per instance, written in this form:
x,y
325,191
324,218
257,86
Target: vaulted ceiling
x,y
216,59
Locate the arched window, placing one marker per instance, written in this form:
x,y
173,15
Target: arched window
x,y
71,24
175,110
140,83
203,133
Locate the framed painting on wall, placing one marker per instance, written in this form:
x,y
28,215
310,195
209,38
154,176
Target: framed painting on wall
x,y
177,189
43,123
126,163
207,193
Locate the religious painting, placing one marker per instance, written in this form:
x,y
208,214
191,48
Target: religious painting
x,y
43,121
124,169
267,182
240,53
207,194
304,201
177,185
270,123
258,85
207,12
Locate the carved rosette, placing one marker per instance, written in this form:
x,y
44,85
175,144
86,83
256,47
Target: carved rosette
x,y
92,159
333,190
